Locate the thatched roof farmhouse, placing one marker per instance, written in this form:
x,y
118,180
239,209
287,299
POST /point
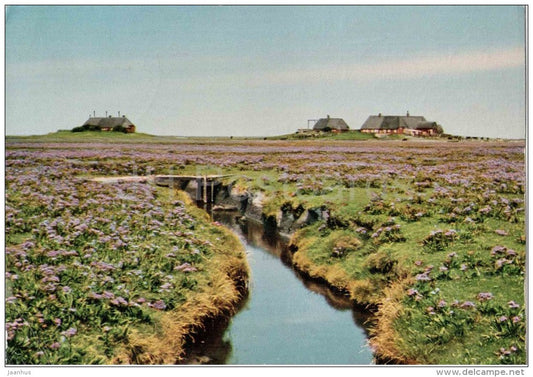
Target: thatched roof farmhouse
x,y
400,124
331,124
120,124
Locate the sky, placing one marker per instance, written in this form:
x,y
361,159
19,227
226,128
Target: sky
x,y
264,70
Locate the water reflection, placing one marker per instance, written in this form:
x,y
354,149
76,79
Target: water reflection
x,y
284,320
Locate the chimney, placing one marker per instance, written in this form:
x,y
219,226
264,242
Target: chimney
x,y
379,115
94,113
328,116
407,112
106,113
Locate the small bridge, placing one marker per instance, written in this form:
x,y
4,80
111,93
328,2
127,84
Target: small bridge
x,y
206,185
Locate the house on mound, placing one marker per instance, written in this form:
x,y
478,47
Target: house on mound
x,y
331,124
399,124
117,124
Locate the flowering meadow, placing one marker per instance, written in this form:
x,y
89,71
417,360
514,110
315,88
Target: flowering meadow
x,y
430,235
107,273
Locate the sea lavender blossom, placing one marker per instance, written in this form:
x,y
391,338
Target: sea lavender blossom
x,y
468,305
423,277
159,304
485,296
513,305
185,267
54,345
70,332
497,250
502,318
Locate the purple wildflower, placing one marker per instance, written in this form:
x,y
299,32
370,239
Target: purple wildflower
x,y
497,250
185,267
516,319
441,304
160,305
412,292
501,232
54,346
502,318
513,305
484,296
423,277
468,305
95,296
70,332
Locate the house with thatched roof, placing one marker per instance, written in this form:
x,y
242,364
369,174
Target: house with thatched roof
x,y
400,124
119,124
331,124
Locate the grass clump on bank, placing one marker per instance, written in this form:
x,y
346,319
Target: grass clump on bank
x,y
106,274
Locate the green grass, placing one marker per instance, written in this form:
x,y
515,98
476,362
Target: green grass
x,y
350,135
382,261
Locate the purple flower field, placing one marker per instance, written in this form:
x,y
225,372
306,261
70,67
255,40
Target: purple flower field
x,y
441,223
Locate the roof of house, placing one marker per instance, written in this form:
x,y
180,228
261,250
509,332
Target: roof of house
x,y
426,125
332,123
391,122
108,122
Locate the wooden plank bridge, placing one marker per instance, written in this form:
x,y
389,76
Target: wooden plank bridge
x,y
206,185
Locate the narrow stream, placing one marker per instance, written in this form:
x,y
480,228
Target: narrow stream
x,y
285,320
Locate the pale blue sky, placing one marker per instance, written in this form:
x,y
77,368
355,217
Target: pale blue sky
x,y
264,70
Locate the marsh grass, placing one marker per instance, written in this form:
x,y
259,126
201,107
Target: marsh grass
x,y
422,229
120,273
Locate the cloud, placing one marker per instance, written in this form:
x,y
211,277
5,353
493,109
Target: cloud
x,y
408,68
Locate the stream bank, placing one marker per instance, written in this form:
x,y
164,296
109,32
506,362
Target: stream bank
x,y
286,221
286,319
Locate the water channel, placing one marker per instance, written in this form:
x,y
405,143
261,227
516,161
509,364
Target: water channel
x,y
286,319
